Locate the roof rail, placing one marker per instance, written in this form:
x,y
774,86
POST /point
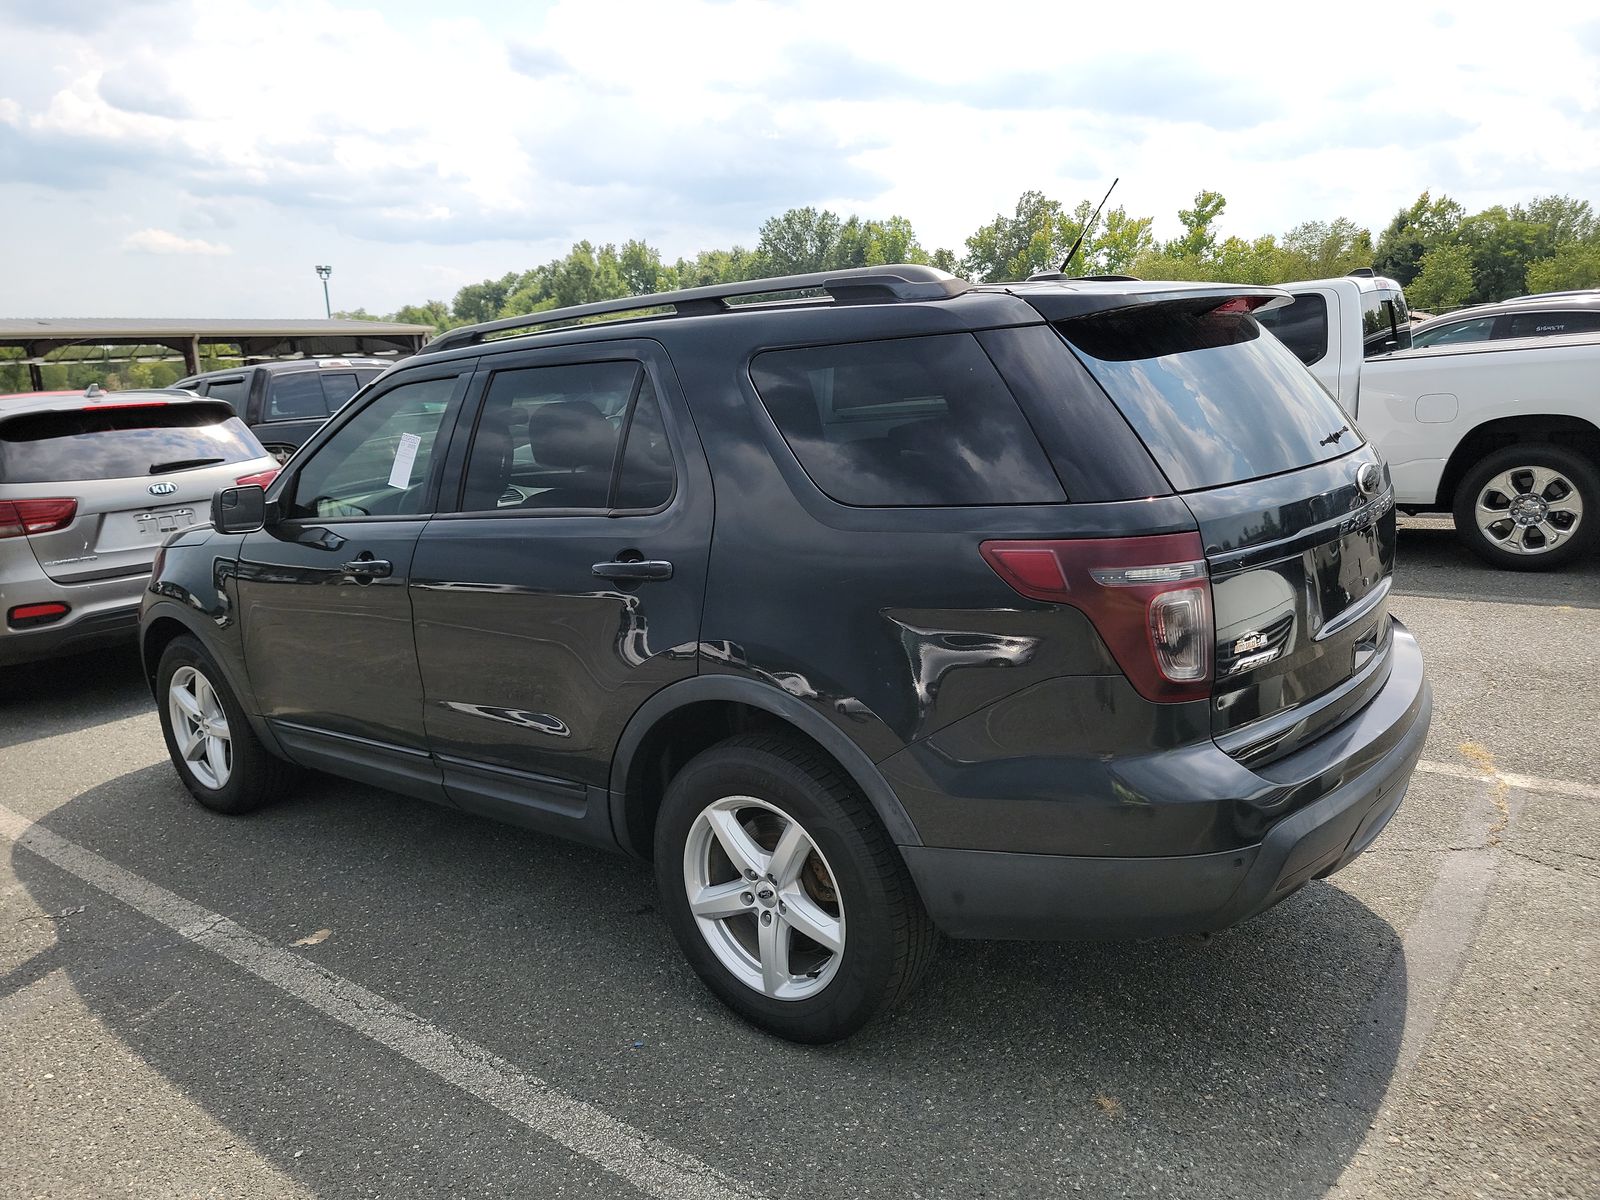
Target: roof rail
x,y
856,285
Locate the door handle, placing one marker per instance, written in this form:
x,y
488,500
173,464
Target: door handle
x,y
369,568
633,571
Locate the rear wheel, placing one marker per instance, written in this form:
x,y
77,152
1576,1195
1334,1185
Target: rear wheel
x,y
784,891
1529,507
216,753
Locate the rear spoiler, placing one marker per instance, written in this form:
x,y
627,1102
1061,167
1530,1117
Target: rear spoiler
x,y
1061,303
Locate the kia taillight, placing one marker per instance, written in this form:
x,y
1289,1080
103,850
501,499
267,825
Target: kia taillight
x,y
259,479
21,517
1148,597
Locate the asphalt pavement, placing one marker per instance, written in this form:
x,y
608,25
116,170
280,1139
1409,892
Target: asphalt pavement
x,y
357,994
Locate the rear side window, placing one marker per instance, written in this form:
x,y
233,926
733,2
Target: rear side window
x,y
1549,324
231,390
548,438
1214,401
122,443
296,396
1301,326
1385,323
916,421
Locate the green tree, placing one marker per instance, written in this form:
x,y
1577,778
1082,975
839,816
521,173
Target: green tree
x,y
799,241
1198,239
483,301
1412,233
432,312
1575,265
1445,280
1323,250
1034,238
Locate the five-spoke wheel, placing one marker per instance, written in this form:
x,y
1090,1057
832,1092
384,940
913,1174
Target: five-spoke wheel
x,y
785,892
200,726
764,897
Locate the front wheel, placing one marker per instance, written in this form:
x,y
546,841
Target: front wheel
x,y
216,753
1529,507
784,891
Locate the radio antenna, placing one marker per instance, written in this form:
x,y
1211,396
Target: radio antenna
x,y
1084,232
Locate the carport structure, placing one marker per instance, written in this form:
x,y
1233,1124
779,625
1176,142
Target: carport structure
x,y
43,340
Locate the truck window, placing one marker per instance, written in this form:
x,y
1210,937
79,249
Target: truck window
x,y
1301,326
1385,323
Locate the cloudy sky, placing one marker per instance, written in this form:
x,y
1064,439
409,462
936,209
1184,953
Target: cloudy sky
x,y
200,157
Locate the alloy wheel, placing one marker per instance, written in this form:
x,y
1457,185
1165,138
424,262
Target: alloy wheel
x,y
764,898
1528,510
200,726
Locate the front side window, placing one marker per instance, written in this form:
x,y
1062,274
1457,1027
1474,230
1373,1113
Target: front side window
x,y
1385,323
377,463
914,421
1476,330
548,439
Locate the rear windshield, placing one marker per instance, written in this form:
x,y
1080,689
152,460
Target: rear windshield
x,y
1214,400
914,421
120,443
1302,326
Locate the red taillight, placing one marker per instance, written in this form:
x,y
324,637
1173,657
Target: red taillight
x,y
260,478
1241,304
1149,598
25,616
21,517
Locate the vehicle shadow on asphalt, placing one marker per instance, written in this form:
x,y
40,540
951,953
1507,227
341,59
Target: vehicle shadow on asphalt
x,y
65,695
1249,1063
1431,561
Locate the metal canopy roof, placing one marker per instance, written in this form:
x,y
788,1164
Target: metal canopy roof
x,y
39,337
117,330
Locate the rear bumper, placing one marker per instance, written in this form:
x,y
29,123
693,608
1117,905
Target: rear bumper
x,y
103,612
1000,894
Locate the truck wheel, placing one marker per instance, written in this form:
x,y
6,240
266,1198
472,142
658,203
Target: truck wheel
x,y
1529,507
785,893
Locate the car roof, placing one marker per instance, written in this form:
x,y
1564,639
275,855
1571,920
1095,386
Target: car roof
x,y
1584,301
21,403
330,362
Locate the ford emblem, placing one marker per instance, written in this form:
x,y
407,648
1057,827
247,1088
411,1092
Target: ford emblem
x,y
1370,479
163,489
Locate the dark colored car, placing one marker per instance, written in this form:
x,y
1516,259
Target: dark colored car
x,y
867,604
284,403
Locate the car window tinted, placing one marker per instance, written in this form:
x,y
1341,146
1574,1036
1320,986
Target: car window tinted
x,y
1385,323
1214,401
231,390
1477,330
377,463
119,443
647,475
547,437
1549,324
1301,326
337,388
916,421
295,396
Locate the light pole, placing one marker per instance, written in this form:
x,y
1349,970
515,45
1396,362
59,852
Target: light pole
x,y
322,274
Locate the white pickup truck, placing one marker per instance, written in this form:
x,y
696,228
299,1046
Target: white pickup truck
x,y
1504,434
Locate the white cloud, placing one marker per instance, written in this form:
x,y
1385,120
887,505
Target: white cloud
x,y
159,241
412,148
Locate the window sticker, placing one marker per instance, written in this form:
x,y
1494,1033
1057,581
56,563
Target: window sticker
x,y
405,457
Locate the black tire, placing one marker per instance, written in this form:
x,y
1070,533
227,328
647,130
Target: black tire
x,y
255,775
888,938
1574,468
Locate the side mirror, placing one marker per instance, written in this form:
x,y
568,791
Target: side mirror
x,y
239,509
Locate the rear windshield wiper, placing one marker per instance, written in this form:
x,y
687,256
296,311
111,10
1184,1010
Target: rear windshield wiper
x,y
1334,437
183,464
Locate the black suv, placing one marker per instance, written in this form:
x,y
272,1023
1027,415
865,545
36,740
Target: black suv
x,y
867,604
284,403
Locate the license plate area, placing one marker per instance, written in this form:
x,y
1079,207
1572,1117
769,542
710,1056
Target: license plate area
x,y
148,527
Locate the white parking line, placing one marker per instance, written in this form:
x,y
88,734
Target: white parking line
x,y
648,1164
1527,783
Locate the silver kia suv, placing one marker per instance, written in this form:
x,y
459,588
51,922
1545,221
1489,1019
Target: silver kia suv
x,y
91,484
